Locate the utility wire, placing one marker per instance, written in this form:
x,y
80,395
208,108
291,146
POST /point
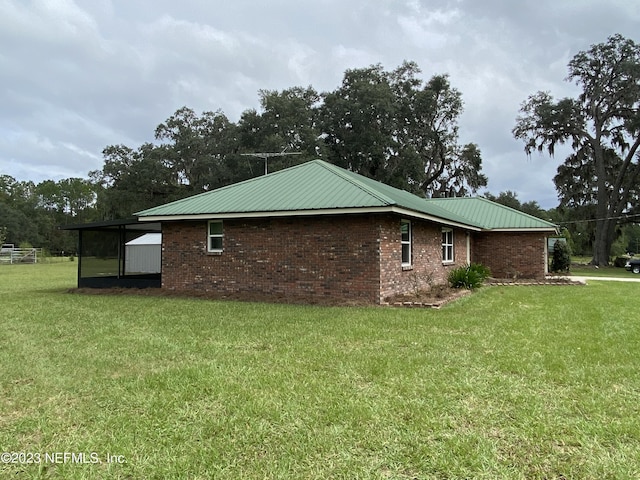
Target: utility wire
x,y
599,219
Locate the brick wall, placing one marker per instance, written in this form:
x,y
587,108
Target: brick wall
x,y
511,254
303,257
343,258
427,266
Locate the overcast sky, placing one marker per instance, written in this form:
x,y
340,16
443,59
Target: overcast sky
x,y
78,75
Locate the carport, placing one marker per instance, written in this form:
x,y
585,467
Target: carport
x,y
102,254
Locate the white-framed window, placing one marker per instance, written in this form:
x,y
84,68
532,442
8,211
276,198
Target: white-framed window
x,y
214,236
447,245
405,241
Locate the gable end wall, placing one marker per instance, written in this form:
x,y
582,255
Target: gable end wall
x,y
511,255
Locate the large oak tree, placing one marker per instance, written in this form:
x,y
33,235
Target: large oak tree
x,y
602,125
398,129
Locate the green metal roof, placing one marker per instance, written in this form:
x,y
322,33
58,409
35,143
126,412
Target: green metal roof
x,y
309,186
318,186
490,215
315,185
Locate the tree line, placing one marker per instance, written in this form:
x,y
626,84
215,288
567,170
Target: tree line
x,y
31,213
391,126
387,125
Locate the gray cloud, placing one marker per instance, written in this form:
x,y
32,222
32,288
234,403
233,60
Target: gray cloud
x,y
77,76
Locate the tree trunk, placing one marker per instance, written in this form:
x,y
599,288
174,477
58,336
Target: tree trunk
x,y
604,237
602,243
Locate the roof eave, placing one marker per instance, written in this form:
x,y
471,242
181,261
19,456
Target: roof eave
x,y
275,213
523,229
301,213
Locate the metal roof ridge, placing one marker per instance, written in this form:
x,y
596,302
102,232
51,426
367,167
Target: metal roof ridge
x,y
352,178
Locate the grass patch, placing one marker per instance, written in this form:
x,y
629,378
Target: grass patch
x,y
591,271
580,267
511,382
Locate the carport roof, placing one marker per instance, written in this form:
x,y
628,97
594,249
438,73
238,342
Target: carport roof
x,y
121,224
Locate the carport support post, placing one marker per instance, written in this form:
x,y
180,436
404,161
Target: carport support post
x,y
79,256
121,240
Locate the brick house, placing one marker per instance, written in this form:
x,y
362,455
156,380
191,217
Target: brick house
x,y
317,231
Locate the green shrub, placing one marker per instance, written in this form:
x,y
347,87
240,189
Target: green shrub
x,y
561,259
468,276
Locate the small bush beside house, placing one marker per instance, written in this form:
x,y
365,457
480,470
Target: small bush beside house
x,y
469,276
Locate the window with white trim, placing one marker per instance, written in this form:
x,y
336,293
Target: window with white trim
x,y
214,236
447,245
405,241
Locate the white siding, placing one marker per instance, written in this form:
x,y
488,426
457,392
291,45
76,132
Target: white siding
x,y
143,254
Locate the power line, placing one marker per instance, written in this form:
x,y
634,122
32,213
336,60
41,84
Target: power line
x,y
599,219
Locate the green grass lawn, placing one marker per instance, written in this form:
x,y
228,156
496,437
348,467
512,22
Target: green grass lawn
x,y
610,271
511,382
581,267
